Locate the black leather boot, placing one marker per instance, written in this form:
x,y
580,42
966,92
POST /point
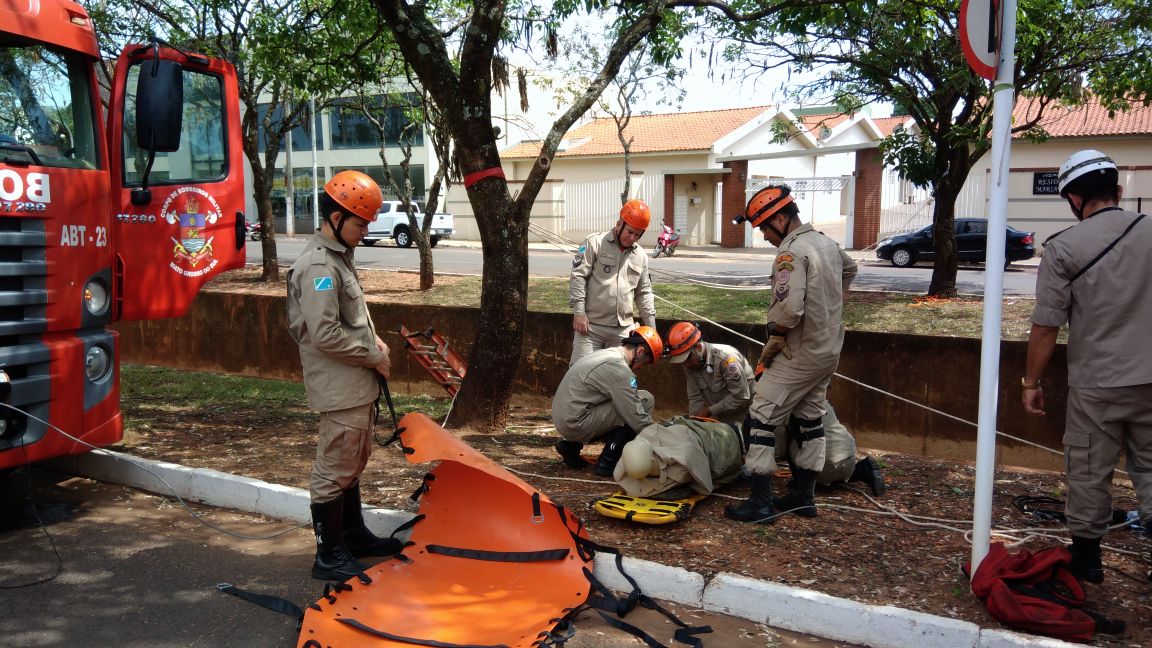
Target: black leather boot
x,y
358,538
333,560
801,497
758,507
614,443
569,451
1086,564
868,471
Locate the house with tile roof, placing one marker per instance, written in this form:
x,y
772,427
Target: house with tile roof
x,y
697,169
1033,204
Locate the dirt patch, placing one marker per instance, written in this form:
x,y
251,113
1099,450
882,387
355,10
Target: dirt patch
x,y
857,548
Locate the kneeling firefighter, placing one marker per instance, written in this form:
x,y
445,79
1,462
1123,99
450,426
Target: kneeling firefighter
x,y
598,398
343,360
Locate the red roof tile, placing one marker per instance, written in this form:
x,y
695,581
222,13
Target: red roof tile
x,y
691,131
1088,120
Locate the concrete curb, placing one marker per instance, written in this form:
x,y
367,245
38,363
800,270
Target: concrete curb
x,y
772,604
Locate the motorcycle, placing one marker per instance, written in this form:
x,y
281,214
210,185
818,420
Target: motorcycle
x,y
255,230
666,243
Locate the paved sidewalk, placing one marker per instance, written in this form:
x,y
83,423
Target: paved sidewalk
x,y
772,604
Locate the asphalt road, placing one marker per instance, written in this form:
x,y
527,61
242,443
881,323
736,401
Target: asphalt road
x,y
713,264
137,571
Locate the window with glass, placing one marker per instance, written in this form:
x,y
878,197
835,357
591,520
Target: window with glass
x,y
415,171
302,136
46,112
203,152
352,129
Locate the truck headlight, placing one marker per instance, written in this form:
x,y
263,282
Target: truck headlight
x,y
98,363
96,297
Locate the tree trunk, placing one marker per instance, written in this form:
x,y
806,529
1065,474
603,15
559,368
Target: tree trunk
x,y
496,349
943,282
262,196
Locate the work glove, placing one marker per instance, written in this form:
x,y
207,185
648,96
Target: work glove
x,y
777,345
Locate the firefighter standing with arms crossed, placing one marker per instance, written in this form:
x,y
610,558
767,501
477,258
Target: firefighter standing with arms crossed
x,y
805,334
342,358
609,283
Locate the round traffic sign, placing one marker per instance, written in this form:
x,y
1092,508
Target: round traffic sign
x,y
980,35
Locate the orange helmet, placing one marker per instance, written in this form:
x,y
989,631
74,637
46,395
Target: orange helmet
x,y
356,192
682,337
650,338
636,213
765,203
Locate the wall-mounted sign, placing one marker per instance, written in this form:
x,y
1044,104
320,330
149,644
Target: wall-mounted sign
x,y
1045,183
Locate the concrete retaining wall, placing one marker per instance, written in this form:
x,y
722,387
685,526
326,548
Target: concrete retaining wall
x,y
247,335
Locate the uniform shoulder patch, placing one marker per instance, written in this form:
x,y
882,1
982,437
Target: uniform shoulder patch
x,y
730,368
579,257
321,284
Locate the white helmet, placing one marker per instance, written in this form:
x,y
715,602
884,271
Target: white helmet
x,y
638,460
1081,163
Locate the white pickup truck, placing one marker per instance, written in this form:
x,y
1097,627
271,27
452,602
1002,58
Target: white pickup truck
x,y
392,222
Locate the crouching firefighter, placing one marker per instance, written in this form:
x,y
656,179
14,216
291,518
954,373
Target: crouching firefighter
x,y
598,399
805,334
342,358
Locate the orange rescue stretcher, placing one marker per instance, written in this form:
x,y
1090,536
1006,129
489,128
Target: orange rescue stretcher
x,y
491,562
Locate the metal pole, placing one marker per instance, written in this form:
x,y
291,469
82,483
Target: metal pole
x,y
315,173
289,181
1002,103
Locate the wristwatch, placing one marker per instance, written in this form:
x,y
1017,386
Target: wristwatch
x,y
1029,385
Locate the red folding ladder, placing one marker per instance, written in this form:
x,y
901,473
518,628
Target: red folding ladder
x,y
431,350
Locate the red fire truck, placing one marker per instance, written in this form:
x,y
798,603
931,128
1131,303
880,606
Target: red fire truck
x,y
114,205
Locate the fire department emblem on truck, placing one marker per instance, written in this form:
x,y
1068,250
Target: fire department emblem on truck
x,y
194,209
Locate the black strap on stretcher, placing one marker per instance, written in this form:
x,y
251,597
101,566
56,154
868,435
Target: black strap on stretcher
x,y
274,603
603,600
412,640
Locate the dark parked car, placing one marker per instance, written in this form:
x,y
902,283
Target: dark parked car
x,y
904,250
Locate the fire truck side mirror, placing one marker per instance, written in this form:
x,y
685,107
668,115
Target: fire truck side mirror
x,y
159,106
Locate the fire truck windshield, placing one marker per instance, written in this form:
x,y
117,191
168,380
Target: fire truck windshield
x,y
46,112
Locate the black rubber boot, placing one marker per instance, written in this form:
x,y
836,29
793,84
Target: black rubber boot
x,y
801,497
333,560
358,538
1086,564
614,443
868,471
569,451
758,507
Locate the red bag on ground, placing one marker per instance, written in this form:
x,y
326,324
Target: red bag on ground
x,y
1036,593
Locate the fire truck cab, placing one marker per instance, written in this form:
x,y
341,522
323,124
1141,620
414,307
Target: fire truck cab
x,y
115,204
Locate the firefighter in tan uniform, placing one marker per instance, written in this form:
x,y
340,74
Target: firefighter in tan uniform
x,y
598,398
719,377
609,285
1094,277
342,358
805,334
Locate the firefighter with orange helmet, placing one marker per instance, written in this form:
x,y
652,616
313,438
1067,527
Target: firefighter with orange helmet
x,y
598,398
719,377
609,288
805,334
342,358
